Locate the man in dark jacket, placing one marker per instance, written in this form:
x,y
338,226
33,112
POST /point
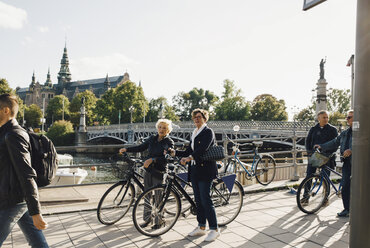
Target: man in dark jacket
x,y
344,140
320,133
19,199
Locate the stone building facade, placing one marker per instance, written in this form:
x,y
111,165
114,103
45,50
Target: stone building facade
x,y
36,92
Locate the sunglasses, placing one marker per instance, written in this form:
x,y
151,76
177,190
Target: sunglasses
x,y
349,117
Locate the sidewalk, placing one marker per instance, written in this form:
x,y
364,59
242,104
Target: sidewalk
x,y
268,219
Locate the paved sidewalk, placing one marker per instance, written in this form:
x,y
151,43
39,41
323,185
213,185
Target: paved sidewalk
x,y
268,219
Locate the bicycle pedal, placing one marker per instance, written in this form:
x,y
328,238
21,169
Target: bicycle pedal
x,y
186,214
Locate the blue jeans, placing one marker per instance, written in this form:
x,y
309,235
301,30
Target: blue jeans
x,y
346,183
205,208
19,214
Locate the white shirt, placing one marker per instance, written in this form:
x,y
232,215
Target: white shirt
x,y
195,134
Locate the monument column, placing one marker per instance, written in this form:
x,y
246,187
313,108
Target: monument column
x,y
82,132
321,101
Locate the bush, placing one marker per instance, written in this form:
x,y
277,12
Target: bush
x,y
61,133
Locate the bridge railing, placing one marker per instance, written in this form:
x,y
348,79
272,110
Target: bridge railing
x,y
256,125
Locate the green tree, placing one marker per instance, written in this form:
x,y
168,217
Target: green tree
x,y
54,111
122,98
186,102
233,105
4,86
155,106
90,104
32,116
266,107
339,100
306,114
61,133
337,118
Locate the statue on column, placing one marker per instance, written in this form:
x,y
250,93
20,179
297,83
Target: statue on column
x,y
322,70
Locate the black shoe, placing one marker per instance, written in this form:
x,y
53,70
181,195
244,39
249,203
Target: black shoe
x,y
326,203
344,213
304,202
157,226
145,224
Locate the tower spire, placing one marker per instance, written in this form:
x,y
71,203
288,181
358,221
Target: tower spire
x,y
64,75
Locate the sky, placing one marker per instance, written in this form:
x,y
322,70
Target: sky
x,y
265,46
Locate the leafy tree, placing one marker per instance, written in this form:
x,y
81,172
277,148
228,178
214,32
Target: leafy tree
x,y
61,133
32,116
90,104
337,118
266,107
186,102
122,98
339,100
4,86
54,111
306,114
232,106
155,106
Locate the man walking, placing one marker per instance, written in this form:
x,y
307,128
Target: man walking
x,y
19,198
344,140
320,133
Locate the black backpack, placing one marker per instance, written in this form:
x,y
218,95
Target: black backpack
x,y
43,158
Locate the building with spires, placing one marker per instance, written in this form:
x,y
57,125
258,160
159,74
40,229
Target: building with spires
x,y
36,92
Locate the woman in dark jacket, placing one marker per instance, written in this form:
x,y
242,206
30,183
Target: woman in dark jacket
x,y
155,164
202,174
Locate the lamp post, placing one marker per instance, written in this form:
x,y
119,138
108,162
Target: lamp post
x,y
295,177
131,109
351,63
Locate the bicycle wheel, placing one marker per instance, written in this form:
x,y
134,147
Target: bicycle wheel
x,y
227,204
115,202
311,193
156,211
265,169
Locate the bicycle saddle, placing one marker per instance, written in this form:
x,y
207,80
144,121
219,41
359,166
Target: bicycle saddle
x,y
257,143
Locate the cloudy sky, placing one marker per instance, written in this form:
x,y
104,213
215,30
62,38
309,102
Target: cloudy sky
x,y
264,46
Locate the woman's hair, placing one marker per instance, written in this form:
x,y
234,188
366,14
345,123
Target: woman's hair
x,y
165,121
203,112
10,101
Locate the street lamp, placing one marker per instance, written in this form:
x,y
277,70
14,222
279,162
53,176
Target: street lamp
x,y
131,109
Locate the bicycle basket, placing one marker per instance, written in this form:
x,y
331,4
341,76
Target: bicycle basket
x,y
318,160
123,168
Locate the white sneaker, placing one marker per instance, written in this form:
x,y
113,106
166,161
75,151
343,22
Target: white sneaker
x,y
212,235
197,232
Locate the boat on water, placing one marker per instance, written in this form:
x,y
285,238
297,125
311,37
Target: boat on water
x,y
65,176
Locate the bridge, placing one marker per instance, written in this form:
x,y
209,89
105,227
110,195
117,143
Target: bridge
x,y
131,133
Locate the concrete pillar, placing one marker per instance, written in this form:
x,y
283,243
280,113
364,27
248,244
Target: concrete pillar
x,y
321,102
360,184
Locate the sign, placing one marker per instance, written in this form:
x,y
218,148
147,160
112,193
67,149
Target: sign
x,y
308,4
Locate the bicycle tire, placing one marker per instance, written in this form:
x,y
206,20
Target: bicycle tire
x,y
115,202
265,169
146,214
316,192
227,204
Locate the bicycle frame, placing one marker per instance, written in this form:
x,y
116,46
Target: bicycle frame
x,y
324,174
256,156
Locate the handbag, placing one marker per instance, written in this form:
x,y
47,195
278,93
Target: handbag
x,y
214,153
318,159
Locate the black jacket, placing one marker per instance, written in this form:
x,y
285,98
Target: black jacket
x,y
155,151
318,135
17,177
204,170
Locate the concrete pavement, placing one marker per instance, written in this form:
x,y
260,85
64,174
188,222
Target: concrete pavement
x,y
268,219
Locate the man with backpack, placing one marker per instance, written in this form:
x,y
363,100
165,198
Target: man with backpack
x,y
19,198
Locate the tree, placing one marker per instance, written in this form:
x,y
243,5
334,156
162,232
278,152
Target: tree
x,y
61,133
339,100
155,108
337,118
33,115
55,108
232,106
90,104
121,99
186,102
5,88
266,107
306,114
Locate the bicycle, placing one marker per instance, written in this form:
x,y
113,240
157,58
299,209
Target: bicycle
x,y
263,166
157,209
117,200
313,192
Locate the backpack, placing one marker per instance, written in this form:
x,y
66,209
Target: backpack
x,y
43,158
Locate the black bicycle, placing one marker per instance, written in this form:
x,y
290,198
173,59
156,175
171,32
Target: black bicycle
x,y
157,209
117,200
313,192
